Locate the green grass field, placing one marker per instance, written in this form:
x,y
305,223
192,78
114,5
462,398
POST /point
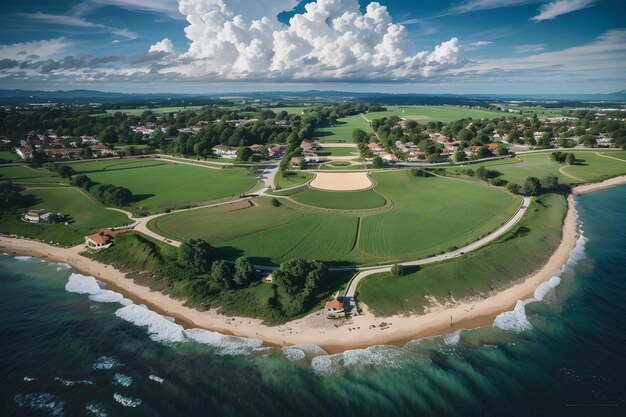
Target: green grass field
x,y
342,131
86,215
444,114
513,256
158,184
615,154
429,216
291,179
354,200
23,174
138,111
10,156
348,151
589,167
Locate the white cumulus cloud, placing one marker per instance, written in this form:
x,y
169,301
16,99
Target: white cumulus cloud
x,y
331,39
164,45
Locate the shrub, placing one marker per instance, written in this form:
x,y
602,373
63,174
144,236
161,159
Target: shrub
x,y
275,202
397,270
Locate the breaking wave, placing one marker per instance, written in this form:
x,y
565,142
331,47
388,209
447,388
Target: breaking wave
x,y
126,401
96,409
83,284
106,362
122,380
69,383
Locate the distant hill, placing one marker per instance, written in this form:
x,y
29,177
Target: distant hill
x,y
286,97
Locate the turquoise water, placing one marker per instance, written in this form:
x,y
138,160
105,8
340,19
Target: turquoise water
x,y
68,347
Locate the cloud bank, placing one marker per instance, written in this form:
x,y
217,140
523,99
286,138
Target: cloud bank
x,y
559,7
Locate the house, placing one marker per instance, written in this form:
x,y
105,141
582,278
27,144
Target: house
x,y
471,150
309,144
311,157
335,308
24,152
388,156
493,147
36,216
375,147
604,141
100,240
225,151
276,151
99,150
256,148
297,160
64,153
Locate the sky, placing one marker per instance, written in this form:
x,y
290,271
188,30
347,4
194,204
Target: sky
x,y
394,46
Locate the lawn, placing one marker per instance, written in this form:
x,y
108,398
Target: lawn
x,y
352,200
444,114
615,154
342,131
27,175
291,179
591,167
431,215
513,256
9,156
86,215
138,111
347,151
158,184
292,110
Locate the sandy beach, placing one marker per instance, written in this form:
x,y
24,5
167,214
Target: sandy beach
x,y
315,328
587,188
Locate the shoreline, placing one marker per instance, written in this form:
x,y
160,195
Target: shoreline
x,y
315,328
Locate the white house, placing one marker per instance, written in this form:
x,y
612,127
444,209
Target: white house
x,y
36,216
100,240
225,151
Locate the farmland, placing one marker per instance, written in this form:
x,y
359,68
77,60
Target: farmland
x,y
137,111
25,174
86,215
158,185
511,257
353,200
426,218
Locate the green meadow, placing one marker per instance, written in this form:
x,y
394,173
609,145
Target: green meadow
x,y
158,185
86,215
491,268
23,174
353,200
429,215
291,179
347,151
436,113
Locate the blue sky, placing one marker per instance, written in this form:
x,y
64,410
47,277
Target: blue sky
x,y
463,46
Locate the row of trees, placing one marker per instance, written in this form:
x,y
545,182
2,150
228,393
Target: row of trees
x,y
107,194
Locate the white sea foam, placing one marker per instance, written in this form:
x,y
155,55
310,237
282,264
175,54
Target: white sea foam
x,y
30,378
122,380
156,379
63,266
230,345
452,339
23,258
69,383
126,401
41,402
83,284
515,320
293,353
96,409
544,288
387,356
324,364
106,362
159,328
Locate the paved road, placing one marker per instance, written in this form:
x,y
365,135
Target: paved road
x,y
351,290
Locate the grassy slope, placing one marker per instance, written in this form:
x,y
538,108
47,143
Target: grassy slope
x,y
514,256
432,214
342,132
615,154
158,185
340,200
291,179
87,216
592,167
436,113
28,175
9,156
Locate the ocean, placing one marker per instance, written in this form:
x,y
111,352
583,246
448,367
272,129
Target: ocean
x,y
70,347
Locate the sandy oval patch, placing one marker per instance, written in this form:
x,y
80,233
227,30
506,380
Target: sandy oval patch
x,y
341,181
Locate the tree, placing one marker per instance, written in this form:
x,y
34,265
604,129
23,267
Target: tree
x,y
196,255
360,136
299,276
222,274
397,270
82,181
549,183
514,188
377,162
460,156
304,164
244,154
531,186
9,194
546,140
464,135
65,171
275,202
244,272
571,159
332,118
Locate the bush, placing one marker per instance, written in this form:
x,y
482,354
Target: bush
x,y
397,270
514,188
275,202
